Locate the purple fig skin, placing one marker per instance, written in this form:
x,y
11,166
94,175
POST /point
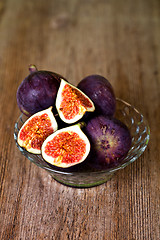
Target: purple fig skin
x,y
38,91
101,92
110,142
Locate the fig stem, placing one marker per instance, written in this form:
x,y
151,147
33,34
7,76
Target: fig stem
x,y
32,68
81,124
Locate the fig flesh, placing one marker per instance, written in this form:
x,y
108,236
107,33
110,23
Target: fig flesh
x,y
38,91
66,147
72,103
36,129
110,140
101,92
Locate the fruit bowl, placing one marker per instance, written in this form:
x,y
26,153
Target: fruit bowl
x,y
84,176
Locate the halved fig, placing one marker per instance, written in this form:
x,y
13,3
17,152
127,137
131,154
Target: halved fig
x,y
66,147
36,129
72,103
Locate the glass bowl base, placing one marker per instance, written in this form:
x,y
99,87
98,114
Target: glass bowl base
x,y
83,184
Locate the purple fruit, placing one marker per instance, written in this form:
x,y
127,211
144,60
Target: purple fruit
x,y
110,141
100,91
38,91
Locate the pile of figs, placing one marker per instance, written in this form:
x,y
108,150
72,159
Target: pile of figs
x,y
71,125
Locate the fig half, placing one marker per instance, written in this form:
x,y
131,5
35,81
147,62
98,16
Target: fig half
x,y
72,103
66,147
36,129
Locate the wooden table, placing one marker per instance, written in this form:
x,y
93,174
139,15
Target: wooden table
x,y
119,40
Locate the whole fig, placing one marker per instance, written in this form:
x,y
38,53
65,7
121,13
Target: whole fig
x,y
110,141
101,92
38,91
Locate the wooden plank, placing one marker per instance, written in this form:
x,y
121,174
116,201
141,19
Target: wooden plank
x,y
119,40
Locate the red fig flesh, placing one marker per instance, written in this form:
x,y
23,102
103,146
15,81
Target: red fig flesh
x,y
36,129
66,147
72,103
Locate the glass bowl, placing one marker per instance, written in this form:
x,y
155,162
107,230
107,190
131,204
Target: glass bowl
x,y
84,177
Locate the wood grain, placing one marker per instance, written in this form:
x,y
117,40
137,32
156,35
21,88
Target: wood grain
x,y
119,40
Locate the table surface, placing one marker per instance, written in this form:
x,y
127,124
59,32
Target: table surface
x,y
119,40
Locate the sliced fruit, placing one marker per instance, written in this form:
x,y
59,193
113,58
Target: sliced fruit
x,y
72,103
36,129
66,147
101,92
38,91
110,140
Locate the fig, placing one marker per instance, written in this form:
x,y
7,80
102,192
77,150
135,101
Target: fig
x,y
101,92
66,147
36,129
38,91
110,141
72,103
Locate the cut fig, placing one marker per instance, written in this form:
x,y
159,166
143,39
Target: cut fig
x,y
110,140
66,147
72,103
36,129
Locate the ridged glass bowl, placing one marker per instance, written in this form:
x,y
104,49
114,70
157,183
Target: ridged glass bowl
x,y
85,177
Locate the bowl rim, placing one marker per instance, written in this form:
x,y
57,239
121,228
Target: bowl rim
x,y
109,170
